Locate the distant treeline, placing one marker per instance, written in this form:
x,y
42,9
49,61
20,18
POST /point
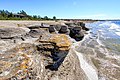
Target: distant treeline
x,y
22,15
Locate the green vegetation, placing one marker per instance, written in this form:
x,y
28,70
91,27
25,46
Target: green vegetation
x,y
54,18
22,15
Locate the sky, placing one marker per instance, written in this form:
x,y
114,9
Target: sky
x,y
67,9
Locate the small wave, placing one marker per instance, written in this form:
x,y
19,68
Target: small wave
x,y
114,26
118,33
88,69
107,23
108,28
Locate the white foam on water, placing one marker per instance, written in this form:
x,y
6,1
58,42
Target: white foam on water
x,y
118,29
104,24
88,69
98,39
90,72
104,30
114,26
111,27
118,33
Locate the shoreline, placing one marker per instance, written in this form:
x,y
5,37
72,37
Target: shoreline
x,y
43,46
103,58
89,70
92,56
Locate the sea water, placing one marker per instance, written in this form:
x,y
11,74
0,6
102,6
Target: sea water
x,y
99,51
108,33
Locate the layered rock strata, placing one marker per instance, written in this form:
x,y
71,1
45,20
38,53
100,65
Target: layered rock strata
x,y
35,54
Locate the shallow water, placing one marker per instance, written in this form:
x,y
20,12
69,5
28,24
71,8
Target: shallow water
x,y
101,49
108,33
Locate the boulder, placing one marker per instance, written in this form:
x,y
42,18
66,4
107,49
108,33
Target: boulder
x,y
51,29
85,28
68,24
57,27
34,26
12,32
76,29
82,25
79,36
60,41
54,28
35,33
76,33
64,30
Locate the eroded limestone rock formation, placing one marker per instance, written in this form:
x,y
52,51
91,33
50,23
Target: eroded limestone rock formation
x,y
39,55
76,33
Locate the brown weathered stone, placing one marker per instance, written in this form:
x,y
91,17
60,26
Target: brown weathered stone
x,y
61,40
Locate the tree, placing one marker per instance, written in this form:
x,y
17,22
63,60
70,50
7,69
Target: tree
x,y
54,18
6,15
34,16
10,15
3,13
30,17
7,12
22,12
39,17
46,18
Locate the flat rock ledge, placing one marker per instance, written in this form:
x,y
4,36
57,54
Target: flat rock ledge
x,y
37,55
